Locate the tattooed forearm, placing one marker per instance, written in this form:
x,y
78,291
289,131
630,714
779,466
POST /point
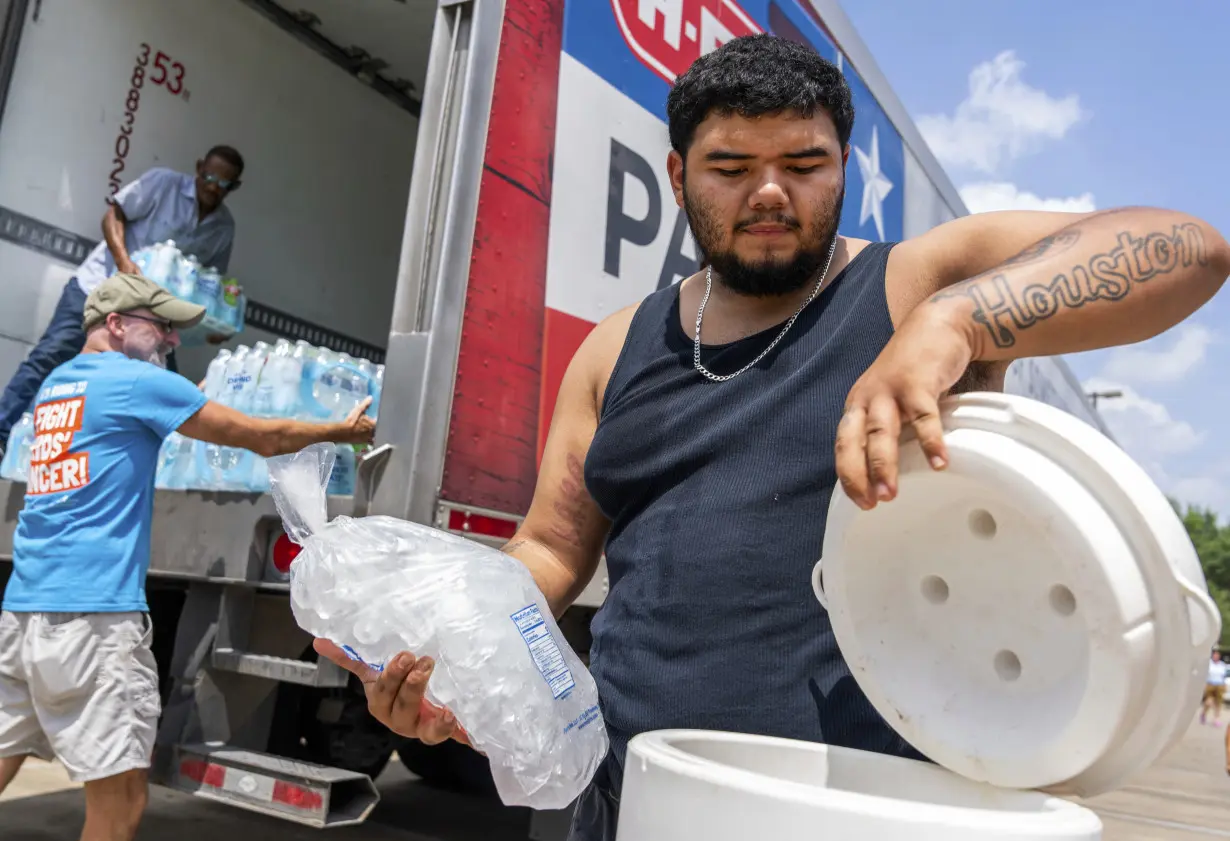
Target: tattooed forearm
x,y
1046,247
1004,307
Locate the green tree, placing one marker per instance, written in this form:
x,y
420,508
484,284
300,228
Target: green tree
x,y
1212,542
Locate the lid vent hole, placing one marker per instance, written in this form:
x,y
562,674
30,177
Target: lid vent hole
x,y
935,589
1062,600
982,524
1007,666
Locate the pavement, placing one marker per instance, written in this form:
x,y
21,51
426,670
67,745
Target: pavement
x,y
1183,797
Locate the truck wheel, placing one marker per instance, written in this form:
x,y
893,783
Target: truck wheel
x,y
449,765
330,727
352,745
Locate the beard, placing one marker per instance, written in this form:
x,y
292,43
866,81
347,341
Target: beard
x,y
769,276
156,355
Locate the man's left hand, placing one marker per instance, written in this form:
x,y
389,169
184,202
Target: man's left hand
x,y
925,358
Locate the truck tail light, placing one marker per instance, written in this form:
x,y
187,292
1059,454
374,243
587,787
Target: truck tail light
x,y
481,524
285,551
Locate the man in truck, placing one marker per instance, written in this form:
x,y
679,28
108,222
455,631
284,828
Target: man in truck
x,y
78,681
790,365
162,204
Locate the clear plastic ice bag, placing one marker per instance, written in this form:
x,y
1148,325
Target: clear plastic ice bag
x,y
379,585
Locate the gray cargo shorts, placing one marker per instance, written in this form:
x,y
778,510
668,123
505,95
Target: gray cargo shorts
x,y
81,688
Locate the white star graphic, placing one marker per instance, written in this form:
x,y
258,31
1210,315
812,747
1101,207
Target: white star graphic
x,y
875,186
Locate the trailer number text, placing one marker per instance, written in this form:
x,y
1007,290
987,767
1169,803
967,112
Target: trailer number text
x,y
167,73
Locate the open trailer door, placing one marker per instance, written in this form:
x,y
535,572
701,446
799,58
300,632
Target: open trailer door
x,y
469,308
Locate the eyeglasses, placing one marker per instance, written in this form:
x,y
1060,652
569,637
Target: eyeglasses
x,y
161,323
223,183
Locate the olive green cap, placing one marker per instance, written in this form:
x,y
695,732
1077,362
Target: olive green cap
x,y
122,293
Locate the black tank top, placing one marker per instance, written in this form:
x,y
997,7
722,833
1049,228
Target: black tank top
x,y
717,494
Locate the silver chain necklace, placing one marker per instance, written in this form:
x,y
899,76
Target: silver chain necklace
x,y
700,314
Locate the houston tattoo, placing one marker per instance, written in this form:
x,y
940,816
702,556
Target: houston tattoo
x,y
1005,310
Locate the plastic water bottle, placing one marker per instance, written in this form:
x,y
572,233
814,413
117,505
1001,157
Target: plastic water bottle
x,y
214,462
277,394
183,281
16,463
378,585
266,386
231,305
208,291
324,385
163,262
342,479
305,355
375,389
340,387
215,374
238,473
142,260
290,373
357,387
243,381
183,463
175,463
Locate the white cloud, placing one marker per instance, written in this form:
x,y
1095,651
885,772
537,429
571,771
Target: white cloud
x,y
984,196
1002,118
1147,431
1168,358
1142,426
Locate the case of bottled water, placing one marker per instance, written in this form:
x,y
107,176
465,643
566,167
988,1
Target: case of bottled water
x,y
378,585
184,277
16,461
280,381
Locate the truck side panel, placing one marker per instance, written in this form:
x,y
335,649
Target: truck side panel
x,y
492,458
616,234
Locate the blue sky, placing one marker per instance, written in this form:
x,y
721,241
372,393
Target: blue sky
x,y
1078,105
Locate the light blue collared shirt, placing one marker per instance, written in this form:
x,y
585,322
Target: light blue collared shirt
x,y
159,206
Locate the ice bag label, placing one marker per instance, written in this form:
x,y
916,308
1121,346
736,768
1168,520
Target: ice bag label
x,y
546,654
354,655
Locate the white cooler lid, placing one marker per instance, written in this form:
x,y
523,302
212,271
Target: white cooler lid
x,y
1033,616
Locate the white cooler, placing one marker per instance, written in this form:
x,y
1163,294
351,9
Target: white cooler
x,y
1033,618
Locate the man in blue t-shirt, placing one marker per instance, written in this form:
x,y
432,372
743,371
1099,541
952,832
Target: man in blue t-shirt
x,y
160,205
77,679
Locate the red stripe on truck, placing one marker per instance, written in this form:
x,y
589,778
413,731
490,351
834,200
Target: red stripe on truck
x,y
491,460
562,335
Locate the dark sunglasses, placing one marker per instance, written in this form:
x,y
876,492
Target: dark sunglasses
x,y
223,183
161,323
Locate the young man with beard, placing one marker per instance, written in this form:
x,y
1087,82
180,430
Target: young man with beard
x,y
77,678
791,363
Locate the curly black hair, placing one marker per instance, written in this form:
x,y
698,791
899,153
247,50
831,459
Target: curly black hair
x,y
227,154
754,76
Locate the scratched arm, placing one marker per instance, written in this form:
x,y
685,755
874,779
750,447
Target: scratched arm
x,y
1109,278
561,539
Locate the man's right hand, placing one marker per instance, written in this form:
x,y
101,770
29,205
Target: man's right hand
x,y
358,428
395,696
127,266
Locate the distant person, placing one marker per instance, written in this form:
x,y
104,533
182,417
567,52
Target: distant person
x,y
78,681
1214,689
160,205
1227,744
